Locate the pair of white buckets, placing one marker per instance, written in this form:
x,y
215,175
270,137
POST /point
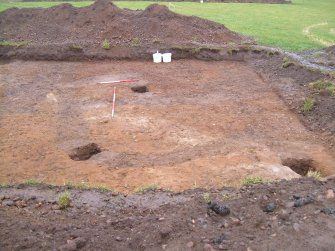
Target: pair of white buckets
x,y
158,57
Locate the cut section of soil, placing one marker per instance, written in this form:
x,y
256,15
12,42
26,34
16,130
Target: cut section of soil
x,y
58,30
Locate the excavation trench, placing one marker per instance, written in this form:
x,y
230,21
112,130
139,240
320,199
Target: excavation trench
x,y
203,124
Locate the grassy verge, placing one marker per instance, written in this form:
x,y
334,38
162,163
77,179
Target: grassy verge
x,y
277,25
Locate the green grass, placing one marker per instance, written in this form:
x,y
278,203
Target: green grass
x,y
320,86
64,200
105,44
252,180
308,105
145,188
33,182
277,25
13,43
314,174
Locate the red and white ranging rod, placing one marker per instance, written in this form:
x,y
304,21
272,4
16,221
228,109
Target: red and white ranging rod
x,y
113,107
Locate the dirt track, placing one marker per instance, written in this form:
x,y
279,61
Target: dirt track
x,y
202,124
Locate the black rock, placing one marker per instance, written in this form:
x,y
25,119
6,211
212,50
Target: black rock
x,y
219,208
219,239
269,208
329,211
302,201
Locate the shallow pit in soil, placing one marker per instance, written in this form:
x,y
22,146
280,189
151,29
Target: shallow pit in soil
x,y
203,124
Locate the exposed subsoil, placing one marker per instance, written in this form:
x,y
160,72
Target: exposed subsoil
x,y
289,215
65,32
201,124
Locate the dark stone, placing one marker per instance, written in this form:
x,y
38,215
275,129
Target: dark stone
x,y
269,208
302,201
328,211
219,208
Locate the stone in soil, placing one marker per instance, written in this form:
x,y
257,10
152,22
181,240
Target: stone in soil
x,y
8,203
219,208
330,194
270,207
302,201
329,211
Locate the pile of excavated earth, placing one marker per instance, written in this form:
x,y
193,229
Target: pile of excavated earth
x,y
65,32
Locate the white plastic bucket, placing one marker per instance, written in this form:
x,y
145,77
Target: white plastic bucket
x,y
157,57
167,57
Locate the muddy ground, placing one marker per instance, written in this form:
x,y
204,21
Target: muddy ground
x,y
263,217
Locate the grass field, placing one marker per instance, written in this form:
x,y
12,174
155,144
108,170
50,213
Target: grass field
x,y
302,25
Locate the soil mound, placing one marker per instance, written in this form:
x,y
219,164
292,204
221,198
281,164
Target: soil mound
x,y
129,33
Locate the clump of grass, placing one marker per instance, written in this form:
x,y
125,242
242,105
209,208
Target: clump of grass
x,y
227,196
135,42
13,43
233,51
195,50
252,180
76,48
286,63
314,174
308,105
145,188
64,200
320,86
103,188
207,197
105,44
4,185
32,182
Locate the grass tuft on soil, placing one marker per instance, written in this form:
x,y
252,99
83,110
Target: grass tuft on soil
x,y
308,105
287,63
323,86
12,43
146,188
105,45
64,200
252,180
314,174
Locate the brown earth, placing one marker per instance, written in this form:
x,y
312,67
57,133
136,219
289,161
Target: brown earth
x,y
202,124
66,32
263,217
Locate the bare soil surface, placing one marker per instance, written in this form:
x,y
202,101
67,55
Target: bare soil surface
x,y
65,32
289,215
200,124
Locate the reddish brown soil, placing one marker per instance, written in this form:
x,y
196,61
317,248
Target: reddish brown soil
x,y
202,124
30,220
57,32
